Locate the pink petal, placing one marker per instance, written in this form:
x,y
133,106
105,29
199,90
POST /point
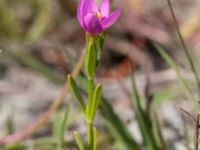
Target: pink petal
x,y
107,22
93,24
84,8
105,7
79,12
93,6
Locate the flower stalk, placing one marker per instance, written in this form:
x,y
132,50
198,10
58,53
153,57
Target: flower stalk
x,y
94,92
94,21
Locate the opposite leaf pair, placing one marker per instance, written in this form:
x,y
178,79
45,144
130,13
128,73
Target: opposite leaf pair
x,y
91,109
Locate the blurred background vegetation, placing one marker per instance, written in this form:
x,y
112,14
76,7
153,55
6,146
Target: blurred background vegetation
x,y
41,42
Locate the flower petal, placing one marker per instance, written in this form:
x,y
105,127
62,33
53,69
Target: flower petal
x,y
107,22
105,7
93,24
84,8
79,12
93,6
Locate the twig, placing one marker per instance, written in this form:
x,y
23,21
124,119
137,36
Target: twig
x,y
188,114
196,142
42,120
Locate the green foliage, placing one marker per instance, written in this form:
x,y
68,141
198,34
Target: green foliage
x,y
10,125
173,65
64,123
79,141
76,93
117,127
144,121
35,64
60,126
184,46
94,138
91,55
99,46
9,25
96,101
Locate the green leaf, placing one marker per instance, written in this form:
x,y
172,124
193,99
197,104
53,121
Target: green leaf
x,y
76,93
79,141
96,100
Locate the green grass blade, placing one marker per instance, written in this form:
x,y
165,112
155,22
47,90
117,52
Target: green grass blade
x,y
185,48
144,125
158,132
57,123
173,65
64,123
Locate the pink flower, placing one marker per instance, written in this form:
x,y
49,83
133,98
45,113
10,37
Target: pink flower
x,y
95,20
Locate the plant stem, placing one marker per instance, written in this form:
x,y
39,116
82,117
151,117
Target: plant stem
x,y
90,98
185,48
90,136
89,109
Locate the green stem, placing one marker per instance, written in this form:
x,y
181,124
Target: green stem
x,y
90,98
89,110
90,136
185,48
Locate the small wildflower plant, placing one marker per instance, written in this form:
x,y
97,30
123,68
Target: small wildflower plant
x,y
94,21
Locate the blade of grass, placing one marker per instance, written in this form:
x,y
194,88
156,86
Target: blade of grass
x,y
57,126
36,64
184,46
173,65
145,128
158,132
117,125
42,21
64,124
